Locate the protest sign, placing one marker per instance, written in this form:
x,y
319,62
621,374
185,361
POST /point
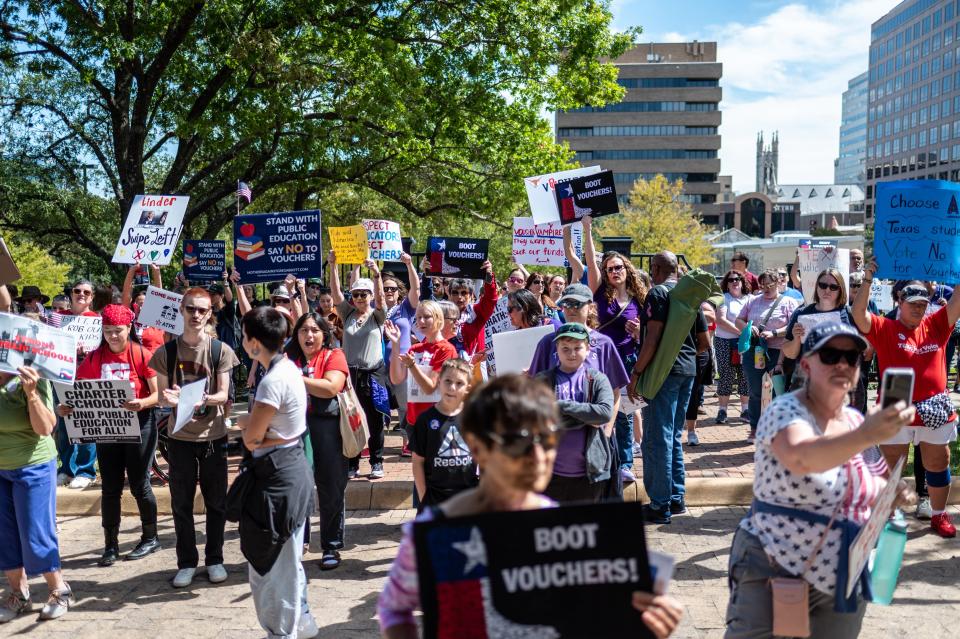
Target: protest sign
x,y
866,539
817,242
543,245
98,415
457,256
917,230
499,322
52,352
812,320
815,260
541,192
87,329
190,397
152,229
161,309
514,349
9,272
534,573
593,195
383,239
204,260
269,246
881,293
349,243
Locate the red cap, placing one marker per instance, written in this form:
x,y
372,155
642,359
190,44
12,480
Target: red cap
x,y
116,315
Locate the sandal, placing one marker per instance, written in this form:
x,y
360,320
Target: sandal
x,y
329,560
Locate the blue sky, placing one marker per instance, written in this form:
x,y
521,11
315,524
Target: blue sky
x,y
785,66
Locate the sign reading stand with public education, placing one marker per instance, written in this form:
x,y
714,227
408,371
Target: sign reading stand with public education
x,y
457,256
152,229
269,246
204,260
549,573
541,192
25,342
383,238
349,243
594,195
98,415
917,230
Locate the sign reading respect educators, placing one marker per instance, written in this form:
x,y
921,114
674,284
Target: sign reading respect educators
x,y
917,230
152,229
270,246
383,238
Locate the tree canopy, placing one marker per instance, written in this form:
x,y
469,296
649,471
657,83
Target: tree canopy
x,y
430,107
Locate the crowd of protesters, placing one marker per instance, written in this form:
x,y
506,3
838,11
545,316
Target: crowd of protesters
x,y
568,430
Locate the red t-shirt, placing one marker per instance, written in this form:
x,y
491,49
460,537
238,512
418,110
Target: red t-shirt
x,y
433,354
321,364
105,364
152,338
922,349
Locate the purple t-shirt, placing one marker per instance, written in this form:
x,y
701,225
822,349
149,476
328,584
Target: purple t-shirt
x,y
603,356
570,460
616,329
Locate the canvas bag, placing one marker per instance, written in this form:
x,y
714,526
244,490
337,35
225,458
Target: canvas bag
x,y
353,422
692,290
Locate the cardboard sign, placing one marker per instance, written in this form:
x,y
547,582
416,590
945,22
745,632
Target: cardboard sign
x,y
514,349
204,260
383,239
270,246
349,243
9,273
87,329
457,256
541,192
543,245
161,309
98,413
52,352
152,229
881,294
815,260
190,397
553,572
917,230
499,322
593,195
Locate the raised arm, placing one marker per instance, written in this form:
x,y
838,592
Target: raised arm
x,y
5,301
243,304
795,270
953,306
127,291
861,316
227,293
576,266
378,299
590,254
156,278
413,295
335,291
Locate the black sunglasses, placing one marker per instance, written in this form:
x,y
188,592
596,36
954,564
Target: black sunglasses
x,y
360,294
824,286
574,304
521,444
831,356
390,289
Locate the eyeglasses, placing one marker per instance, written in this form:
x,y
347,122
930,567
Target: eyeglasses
x,y
521,444
390,289
360,295
616,268
735,279
451,319
831,356
824,286
194,310
768,285
82,292
574,304
534,282
460,293
515,280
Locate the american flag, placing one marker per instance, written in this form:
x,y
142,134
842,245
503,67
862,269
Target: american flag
x,y
55,319
243,190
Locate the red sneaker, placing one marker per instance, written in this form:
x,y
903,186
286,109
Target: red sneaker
x,y
942,525
405,451
365,453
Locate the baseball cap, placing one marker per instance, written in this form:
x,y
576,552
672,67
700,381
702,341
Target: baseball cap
x,y
819,335
281,292
215,288
362,284
572,330
914,293
576,292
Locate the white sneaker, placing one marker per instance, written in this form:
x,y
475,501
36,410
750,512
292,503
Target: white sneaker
x,y
627,475
924,510
216,573
692,439
307,627
80,482
62,479
636,449
184,577
15,605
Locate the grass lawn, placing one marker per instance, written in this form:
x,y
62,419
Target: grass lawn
x,y
954,461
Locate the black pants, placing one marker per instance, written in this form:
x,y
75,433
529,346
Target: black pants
x,y
204,463
374,422
330,476
132,461
571,490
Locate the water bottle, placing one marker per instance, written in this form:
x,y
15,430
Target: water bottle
x,y
886,562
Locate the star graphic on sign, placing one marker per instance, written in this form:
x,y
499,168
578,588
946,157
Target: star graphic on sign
x,y
474,549
568,190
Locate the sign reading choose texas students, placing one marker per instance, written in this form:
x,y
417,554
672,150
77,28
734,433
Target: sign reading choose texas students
x,y
555,572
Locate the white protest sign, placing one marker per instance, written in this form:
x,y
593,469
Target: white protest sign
x,y
98,414
809,322
542,245
52,352
152,230
87,329
866,539
416,394
499,322
190,396
881,294
383,236
541,192
514,349
161,309
815,260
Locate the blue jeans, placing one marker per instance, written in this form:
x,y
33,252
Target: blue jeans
x,y
755,382
623,432
28,519
663,425
76,460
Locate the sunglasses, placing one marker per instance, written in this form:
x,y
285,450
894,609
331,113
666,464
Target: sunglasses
x,y
735,279
194,310
82,292
574,304
515,280
521,444
615,269
831,356
824,286
461,293
390,289
360,295
534,282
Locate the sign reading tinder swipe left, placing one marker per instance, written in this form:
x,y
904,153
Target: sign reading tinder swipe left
x,y
267,247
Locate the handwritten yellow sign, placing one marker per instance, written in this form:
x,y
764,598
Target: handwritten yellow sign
x,y
349,243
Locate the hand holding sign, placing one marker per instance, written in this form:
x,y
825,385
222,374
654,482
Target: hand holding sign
x,y
349,243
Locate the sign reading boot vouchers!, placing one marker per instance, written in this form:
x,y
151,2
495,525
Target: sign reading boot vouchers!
x,y
457,256
24,342
204,260
537,574
267,247
98,414
917,230
594,195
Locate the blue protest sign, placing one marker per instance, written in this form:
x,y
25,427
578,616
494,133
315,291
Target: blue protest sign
x,y
269,246
204,260
917,230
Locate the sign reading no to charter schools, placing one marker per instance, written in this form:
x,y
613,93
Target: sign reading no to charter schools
x,y
917,230
267,247
98,413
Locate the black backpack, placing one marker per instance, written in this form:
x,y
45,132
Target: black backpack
x,y
216,350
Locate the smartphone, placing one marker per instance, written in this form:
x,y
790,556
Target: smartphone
x,y
897,384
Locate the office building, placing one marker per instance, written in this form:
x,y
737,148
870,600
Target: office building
x,y
913,103
850,166
668,122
